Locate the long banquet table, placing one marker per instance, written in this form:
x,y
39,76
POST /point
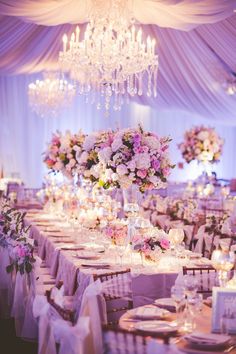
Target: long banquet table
x,y
59,245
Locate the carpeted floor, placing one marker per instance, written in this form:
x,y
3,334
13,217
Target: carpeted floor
x,y
10,344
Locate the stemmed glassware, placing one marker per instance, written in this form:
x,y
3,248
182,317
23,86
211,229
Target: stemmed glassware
x,y
121,247
223,262
178,295
176,237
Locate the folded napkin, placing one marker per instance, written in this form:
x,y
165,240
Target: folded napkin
x,y
149,312
207,338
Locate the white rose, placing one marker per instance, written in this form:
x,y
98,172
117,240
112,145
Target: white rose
x,y
104,155
117,143
152,142
121,170
114,177
153,179
83,158
203,135
89,142
142,161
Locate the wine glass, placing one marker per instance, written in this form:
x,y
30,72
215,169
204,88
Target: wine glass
x,y
178,295
176,237
191,285
120,247
93,237
223,262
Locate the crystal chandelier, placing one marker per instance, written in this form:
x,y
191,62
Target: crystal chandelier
x,y
230,85
49,96
112,59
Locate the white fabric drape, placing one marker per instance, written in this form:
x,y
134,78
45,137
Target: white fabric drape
x,y
178,14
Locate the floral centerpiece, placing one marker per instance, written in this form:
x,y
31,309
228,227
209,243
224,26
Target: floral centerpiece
x,y
95,146
136,157
115,231
152,246
64,152
202,144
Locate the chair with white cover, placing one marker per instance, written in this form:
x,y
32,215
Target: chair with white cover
x,y
116,292
56,335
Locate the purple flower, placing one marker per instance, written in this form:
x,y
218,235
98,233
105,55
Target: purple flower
x,y
155,164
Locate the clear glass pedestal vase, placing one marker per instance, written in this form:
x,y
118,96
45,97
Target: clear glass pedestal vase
x,y
131,199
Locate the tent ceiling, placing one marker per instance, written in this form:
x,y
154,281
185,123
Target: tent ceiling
x,y
196,46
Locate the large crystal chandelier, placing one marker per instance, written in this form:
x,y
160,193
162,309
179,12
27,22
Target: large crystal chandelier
x,y
49,96
112,59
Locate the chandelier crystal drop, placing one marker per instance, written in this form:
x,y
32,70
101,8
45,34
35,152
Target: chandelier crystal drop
x,y
49,96
112,59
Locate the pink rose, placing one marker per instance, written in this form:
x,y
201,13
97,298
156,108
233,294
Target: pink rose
x,y
142,173
165,243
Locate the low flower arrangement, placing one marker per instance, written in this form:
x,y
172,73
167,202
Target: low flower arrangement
x,y
115,232
202,144
152,246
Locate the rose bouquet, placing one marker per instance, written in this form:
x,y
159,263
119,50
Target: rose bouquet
x,y
136,157
202,144
64,152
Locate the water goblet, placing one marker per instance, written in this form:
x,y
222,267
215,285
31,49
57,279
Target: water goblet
x,y
223,261
178,295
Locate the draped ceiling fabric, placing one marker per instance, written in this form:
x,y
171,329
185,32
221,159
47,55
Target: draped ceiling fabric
x,y
196,44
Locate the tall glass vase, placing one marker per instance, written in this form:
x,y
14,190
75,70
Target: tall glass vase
x,y
131,199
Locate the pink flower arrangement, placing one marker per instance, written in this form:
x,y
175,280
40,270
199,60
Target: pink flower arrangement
x,y
115,232
138,157
202,144
64,152
149,244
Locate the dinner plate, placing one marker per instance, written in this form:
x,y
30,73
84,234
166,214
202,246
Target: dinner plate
x,y
156,326
96,265
148,313
166,303
87,255
207,340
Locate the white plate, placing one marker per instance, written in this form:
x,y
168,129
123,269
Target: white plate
x,y
156,326
148,313
87,255
166,303
206,340
193,255
95,265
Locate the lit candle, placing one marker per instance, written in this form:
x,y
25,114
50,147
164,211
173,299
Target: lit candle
x,y
77,31
64,39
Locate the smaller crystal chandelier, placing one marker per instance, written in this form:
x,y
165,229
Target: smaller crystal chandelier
x,y
230,85
49,96
112,59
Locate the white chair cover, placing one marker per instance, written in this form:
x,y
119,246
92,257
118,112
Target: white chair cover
x,y
71,338
94,306
43,311
21,292
6,285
